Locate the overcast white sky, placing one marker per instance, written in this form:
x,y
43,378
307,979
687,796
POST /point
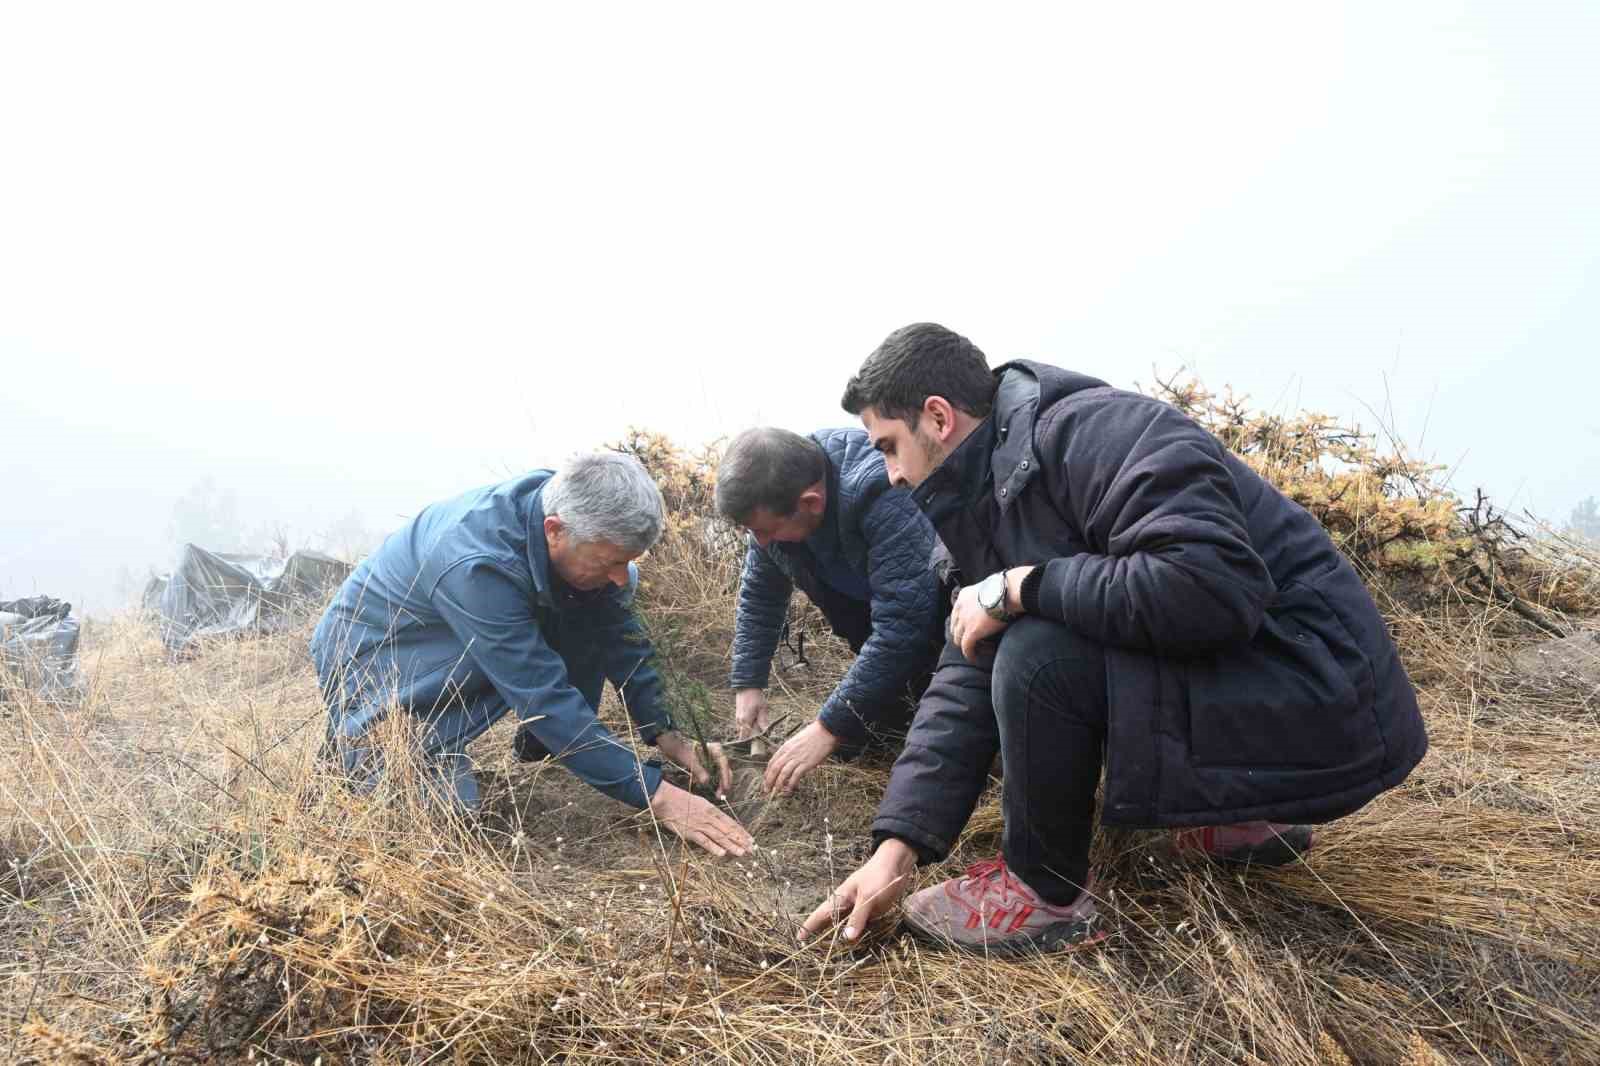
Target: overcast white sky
x,y
359,257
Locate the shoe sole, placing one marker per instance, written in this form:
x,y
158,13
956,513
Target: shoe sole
x,y
1060,938
1279,851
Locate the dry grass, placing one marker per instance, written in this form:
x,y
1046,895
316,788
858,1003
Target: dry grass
x,y
181,885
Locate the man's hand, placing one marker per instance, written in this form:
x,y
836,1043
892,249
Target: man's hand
x,y
868,893
695,819
681,750
970,624
800,754
750,713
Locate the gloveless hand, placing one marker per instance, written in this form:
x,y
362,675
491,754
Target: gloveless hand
x,y
751,715
685,753
696,820
867,894
800,754
970,624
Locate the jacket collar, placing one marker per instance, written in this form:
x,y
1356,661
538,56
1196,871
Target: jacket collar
x,y
827,536
998,456
538,549
962,479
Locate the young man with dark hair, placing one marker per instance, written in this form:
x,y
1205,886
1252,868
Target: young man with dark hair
x,y
823,517
1133,595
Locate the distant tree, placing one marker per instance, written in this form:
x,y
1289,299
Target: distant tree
x,y
272,539
350,538
207,516
1585,519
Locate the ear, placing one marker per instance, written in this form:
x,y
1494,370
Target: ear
x,y
813,501
555,530
941,417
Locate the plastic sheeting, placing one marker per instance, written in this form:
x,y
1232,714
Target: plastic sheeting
x,y
212,594
39,650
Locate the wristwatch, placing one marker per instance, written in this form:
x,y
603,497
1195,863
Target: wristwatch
x,y
992,597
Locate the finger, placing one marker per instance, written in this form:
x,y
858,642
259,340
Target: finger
x,y
707,844
860,915
828,913
781,786
726,833
734,838
699,773
792,775
775,767
724,770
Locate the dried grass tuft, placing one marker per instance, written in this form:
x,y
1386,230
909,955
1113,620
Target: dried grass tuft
x,y
182,885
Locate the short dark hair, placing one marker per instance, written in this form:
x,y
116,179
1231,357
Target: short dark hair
x,y
917,361
767,468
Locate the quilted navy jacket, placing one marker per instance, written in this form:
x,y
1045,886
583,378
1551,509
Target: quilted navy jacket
x,y
874,545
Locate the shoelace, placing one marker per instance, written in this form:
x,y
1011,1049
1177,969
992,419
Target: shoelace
x,y
983,873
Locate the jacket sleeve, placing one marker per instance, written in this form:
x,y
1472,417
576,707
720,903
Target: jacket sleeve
x,y
492,617
1169,566
905,616
629,658
764,592
937,780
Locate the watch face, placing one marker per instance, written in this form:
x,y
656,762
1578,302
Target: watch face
x,y
991,591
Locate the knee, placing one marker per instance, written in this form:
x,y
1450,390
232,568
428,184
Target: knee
x,y
1037,654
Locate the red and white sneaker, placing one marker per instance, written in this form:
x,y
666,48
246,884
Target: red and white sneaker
x,y
1248,843
990,912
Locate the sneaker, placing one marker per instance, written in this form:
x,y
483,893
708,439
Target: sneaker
x,y
990,912
528,748
1250,843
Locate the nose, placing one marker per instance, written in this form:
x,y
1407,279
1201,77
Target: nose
x,y
618,576
894,473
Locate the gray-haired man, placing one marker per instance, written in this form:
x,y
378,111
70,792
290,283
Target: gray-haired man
x,y
517,597
823,517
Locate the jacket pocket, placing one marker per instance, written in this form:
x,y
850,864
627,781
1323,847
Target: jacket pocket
x,y
1299,695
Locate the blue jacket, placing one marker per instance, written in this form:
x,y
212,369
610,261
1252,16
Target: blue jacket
x,y
459,616
874,546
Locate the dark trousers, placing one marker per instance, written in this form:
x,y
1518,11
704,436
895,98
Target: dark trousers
x,y
1048,686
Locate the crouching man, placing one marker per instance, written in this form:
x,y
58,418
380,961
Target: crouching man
x,y
1134,594
823,517
515,597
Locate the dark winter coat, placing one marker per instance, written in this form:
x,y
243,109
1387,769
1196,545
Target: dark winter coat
x,y
867,566
1249,672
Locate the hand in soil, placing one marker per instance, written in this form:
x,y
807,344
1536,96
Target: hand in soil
x,y
867,894
697,821
681,750
800,754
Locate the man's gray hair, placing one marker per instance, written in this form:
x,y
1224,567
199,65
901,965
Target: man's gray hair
x,y
610,497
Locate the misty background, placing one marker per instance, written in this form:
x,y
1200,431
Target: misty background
x,y
293,272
